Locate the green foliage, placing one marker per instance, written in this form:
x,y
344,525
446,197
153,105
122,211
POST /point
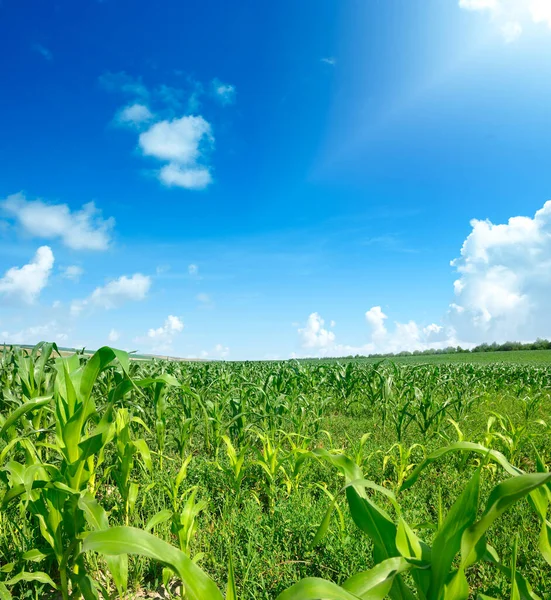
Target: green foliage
x,y
203,477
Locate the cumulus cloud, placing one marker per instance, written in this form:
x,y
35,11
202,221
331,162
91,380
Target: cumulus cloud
x,y
504,279
314,335
34,334
115,293
28,281
224,92
182,143
510,15
218,352
84,229
404,336
541,11
134,115
161,339
379,339
72,272
191,178
376,319
113,336
501,294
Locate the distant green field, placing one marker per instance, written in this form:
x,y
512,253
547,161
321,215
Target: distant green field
x,y
525,357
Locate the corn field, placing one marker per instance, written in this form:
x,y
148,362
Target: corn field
x,y
287,480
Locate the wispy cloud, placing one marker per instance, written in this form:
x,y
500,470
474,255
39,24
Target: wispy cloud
x,y
72,272
224,92
125,83
390,242
134,115
329,60
43,51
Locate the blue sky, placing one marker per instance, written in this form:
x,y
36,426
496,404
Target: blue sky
x,y
277,179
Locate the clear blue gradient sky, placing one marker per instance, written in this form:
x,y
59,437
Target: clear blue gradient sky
x,y
276,179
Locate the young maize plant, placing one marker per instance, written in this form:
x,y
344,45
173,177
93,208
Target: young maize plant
x,y
56,492
91,446
462,533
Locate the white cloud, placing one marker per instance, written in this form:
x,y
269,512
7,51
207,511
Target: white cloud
x,y
332,323
190,178
113,336
402,337
134,115
224,92
329,60
115,293
376,319
182,143
510,15
314,335
218,352
72,272
405,336
28,281
34,334
502,292
177,140
504,285
161,339
541,11
193,270
84,229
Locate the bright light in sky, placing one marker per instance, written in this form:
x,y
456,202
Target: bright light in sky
x,y
511,16
293,179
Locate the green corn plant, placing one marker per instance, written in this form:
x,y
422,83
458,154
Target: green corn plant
x,y
57,495
512,437
159,386
357,449
235,470
183,414
462,532
298,452
401,458
271,460
126,451
184,509
198,585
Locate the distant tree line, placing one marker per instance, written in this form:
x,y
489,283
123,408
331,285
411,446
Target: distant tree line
x,y
539,344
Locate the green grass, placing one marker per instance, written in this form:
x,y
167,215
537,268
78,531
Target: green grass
x,y
520,357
